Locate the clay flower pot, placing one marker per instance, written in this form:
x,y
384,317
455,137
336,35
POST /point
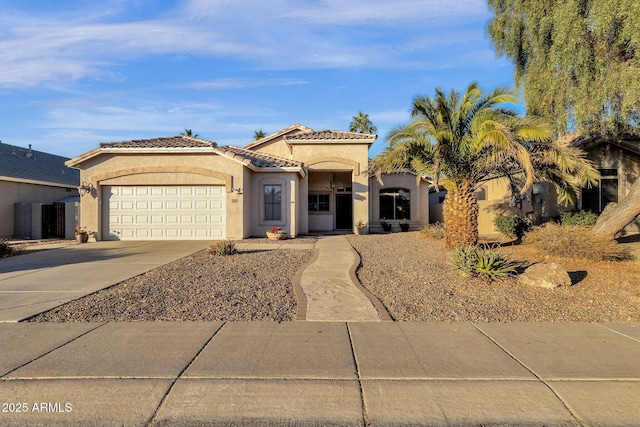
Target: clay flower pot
x,y
276,236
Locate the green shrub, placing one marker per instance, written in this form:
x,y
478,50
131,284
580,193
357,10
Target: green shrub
x,y
575,242
487,263
580,218
226,247
511,225
433,231
5,248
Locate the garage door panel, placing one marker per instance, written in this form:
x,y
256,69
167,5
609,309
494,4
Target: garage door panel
x,y
164,212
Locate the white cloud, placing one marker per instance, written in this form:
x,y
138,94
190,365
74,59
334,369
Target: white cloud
x,y
241,83
279,35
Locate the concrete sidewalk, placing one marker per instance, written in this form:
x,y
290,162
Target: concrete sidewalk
x,y
316,373
39,281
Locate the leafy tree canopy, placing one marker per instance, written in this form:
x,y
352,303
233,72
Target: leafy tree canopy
x,y
576,61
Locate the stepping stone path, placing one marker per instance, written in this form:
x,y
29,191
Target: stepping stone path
x,y
329,287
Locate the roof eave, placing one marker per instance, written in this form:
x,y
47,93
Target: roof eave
x,y
73,163
289,169
36,182
330,141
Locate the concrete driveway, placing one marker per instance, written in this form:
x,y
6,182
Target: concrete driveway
x,y
36,282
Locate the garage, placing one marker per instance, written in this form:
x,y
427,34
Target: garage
x,y
164,212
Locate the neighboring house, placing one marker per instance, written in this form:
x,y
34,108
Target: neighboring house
x,y
618,161
494,198
187,188
29,180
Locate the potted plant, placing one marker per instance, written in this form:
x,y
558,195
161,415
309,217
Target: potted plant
x,y
276,233
404,226
82,234
385,225
361,227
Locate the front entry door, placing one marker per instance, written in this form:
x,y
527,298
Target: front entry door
x,y
344,212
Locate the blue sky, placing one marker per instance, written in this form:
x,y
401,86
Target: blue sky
x,y
74,73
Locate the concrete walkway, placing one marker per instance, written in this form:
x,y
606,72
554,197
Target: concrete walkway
x,y
316,373
39,281
331,290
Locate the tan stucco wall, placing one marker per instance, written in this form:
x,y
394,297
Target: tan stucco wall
x,y
536,207
351,158
18,192
291,203
326,157
419,201
166,169
277,146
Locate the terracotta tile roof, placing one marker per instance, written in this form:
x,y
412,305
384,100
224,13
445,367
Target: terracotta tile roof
x,y
25,163
257,158
297,127
166,142
329,135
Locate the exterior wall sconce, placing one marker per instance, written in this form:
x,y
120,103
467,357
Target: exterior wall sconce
x,y
237,190
85,188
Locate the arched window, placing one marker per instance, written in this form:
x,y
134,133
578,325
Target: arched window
x,y
395,203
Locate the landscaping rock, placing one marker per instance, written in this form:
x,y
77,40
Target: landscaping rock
x,y
546,275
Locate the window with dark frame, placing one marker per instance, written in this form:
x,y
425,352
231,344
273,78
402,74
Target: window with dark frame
x,y
597,197
395,203
272,202
318,203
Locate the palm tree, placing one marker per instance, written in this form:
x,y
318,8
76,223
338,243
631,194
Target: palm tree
x,y
187,132
362,124
460,142
259,134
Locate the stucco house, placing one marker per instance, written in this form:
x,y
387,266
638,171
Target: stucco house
x,y
30,181
188,188
618,161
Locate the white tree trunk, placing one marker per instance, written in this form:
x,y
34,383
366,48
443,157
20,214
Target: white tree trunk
x,y
616,216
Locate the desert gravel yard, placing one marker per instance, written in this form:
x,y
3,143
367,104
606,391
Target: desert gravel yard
x,y
410,275
415,281
251,285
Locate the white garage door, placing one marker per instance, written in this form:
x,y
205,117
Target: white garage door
x,y
164,212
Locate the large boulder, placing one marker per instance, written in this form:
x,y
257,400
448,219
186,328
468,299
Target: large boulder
x,y
546,275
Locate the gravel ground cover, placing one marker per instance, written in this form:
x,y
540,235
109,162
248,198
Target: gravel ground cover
x,y
415,281
410,275
251,285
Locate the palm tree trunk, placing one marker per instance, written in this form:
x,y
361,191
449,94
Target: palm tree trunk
x,y
460,214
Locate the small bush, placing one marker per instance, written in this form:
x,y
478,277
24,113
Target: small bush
x,y
5,248
223,248
433,231
511,225
580,218
575,242
487,263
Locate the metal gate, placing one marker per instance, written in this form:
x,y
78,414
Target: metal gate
x,y
53,221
